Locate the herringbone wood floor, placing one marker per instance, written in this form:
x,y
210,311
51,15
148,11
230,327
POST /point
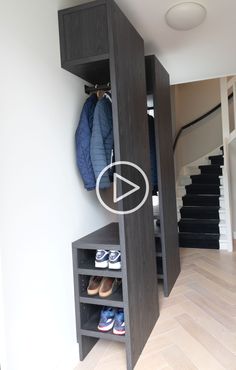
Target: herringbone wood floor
x,y
197,324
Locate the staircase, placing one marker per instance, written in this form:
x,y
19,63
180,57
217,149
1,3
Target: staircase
x,y
201,205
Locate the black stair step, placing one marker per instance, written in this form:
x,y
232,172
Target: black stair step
x,y
201,200
199,226
200,240
206,212
217,159
205,178
202,189
211,168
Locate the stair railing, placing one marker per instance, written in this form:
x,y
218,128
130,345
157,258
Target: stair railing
x,y
229,134
197,120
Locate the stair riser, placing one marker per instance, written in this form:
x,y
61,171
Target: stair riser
x,y
192,228
211,169
206,244
205,180
203,189
217,161
196,214
201,201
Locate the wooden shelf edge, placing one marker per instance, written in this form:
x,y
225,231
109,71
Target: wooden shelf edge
x,y
100,272
100,335
81,245
81,61
102,302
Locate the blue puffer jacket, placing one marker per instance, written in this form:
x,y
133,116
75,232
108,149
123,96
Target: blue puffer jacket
x,y
102,140
82,138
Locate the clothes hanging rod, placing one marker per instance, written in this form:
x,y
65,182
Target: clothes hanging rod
x,y
95,88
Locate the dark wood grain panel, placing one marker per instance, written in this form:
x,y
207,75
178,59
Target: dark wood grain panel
x,y
107,236
131,144
93,70
158,85
84,32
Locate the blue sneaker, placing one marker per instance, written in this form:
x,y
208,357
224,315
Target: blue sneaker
x,y
107,319
115,260
102,259
119,325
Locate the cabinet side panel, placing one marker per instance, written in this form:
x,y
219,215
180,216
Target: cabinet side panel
x,y
132,144
166,174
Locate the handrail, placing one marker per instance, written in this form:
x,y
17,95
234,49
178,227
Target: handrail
x,y
192,123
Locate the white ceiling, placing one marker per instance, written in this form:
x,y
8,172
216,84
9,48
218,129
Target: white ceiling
x,y
205,52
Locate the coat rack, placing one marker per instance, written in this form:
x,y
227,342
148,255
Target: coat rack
x,y
92,89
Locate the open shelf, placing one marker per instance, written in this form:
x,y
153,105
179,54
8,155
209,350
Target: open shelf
x,y
104,238
90,329
114,300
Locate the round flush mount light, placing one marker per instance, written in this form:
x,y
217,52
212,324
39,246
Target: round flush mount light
x,y
185,16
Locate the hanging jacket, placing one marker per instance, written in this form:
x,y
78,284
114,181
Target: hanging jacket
x,y
82,139
102,142
153,157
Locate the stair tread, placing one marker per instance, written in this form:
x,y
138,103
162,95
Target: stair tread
x,y
199,221
203,189
210,165
206,236
211,168
203,185
206,175
216,156
202,207
201,195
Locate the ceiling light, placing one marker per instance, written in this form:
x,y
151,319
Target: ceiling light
x,y
185,16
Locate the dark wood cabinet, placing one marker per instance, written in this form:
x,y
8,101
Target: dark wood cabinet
x,y
100,45
168,259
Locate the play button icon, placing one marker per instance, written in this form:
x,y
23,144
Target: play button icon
x,y
133,186
130,188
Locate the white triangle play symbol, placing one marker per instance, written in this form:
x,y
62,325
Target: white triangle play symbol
x,y
133,190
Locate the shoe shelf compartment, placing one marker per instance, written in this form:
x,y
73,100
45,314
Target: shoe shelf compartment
x,y
90,315
114,300
106,237
88,307
85,260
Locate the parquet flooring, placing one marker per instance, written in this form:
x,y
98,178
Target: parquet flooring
x,y
197,324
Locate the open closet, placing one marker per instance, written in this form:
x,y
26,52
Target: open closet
x,y
99,44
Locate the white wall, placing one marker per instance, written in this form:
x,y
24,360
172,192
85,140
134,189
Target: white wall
x,y
191,101
43,204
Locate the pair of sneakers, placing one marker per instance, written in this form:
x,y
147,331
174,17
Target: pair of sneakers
x,y
112,318
108,259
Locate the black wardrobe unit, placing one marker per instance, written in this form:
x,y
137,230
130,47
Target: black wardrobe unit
x,y
167,249
100,45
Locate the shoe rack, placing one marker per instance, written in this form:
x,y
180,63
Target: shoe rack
x,y
88,307
100,45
